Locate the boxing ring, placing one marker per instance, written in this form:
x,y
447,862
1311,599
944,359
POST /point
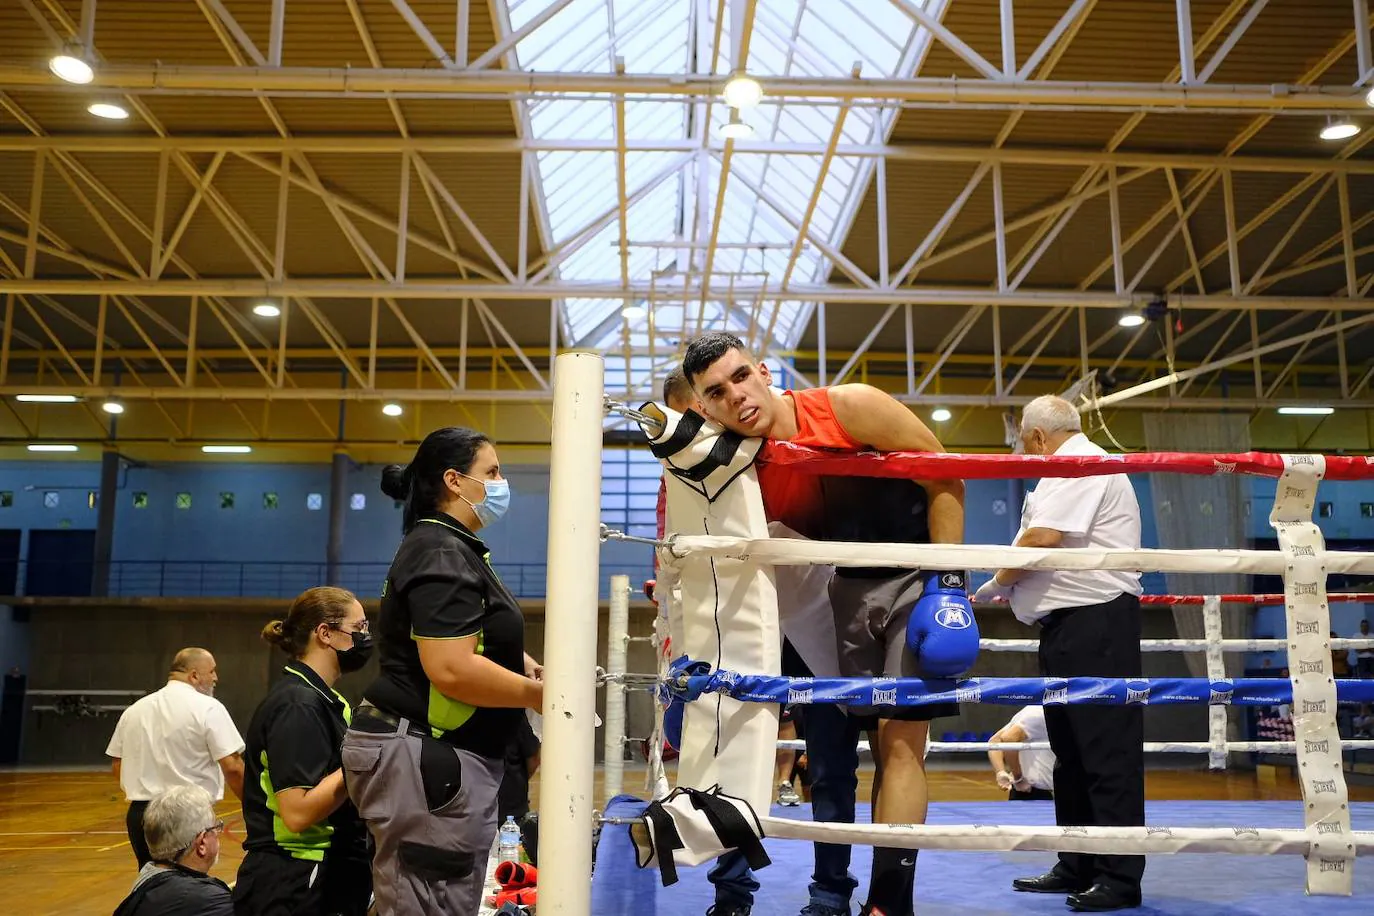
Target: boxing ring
x,y
719,545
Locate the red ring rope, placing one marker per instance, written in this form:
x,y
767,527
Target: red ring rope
x,y
927,466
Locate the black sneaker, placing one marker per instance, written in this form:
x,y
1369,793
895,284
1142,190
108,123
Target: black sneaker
x,y
729,909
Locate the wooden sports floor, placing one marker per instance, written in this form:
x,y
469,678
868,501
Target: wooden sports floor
x,y
63,849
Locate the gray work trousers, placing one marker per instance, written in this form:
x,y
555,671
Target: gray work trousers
x,y
431,855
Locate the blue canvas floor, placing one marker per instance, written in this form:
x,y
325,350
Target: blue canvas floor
x,y
978,882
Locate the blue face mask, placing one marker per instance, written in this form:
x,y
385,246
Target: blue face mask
x,y
494,504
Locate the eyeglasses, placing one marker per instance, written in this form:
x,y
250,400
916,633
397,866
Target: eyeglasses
x,y
216,827
363,627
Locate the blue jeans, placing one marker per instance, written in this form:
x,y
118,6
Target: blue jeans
x,y
735,884
832,755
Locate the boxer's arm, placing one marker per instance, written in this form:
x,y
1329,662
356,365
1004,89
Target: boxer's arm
x,y
877,419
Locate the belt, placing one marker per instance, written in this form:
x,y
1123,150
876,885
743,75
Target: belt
x,y
367,717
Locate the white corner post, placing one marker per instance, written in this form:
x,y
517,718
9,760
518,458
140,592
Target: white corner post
x,y
570,624
617,646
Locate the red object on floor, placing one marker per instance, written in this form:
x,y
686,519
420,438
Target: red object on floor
x,y
520,896
514,875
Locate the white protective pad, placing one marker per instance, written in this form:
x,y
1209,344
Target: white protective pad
x,y
729,607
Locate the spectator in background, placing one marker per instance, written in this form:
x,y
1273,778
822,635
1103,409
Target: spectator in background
x,y
1364,658
1025,775
1340,660
179,736
183,837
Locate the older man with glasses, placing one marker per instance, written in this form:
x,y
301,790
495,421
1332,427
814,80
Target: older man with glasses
x,y
183,836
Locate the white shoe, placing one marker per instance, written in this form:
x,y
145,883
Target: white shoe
x,y
787,796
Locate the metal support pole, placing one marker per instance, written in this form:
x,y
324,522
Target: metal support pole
x,y
338,505
275,33
565,810
1187,68
1362,50
820,343
86,34
105,517
617,645
1008,41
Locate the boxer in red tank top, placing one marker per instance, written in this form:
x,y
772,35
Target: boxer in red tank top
x,y
734,390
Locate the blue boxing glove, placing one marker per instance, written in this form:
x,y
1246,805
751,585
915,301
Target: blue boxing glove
x,y
942,632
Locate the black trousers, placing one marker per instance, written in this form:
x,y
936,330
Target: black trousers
x,y
270,884
1030,795
133,822
1099,775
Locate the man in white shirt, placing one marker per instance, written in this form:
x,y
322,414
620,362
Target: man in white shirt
x,y
180,735
1025,775
1090,626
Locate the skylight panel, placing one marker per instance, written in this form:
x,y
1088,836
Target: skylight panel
x,y
767,194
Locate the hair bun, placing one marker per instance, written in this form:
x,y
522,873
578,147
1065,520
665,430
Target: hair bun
x,y
396,481
274,633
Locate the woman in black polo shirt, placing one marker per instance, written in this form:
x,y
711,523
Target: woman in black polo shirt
x,y
306,845
423,756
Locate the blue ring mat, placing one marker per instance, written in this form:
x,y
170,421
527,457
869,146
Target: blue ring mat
x,y
980,882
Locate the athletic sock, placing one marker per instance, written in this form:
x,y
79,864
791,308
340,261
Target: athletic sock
x,y
893,882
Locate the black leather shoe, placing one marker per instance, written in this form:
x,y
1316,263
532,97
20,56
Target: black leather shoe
x,y
1101,899
1048,883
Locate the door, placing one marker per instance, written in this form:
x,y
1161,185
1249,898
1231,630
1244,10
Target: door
x,y
9,560
60,563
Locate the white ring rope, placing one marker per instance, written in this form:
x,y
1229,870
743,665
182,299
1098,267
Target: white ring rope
x,y
1151,747
795,552
1117,840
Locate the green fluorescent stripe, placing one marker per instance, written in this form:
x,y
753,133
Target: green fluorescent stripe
x,y
309,845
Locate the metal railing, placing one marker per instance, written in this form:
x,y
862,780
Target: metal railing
x,y
245,579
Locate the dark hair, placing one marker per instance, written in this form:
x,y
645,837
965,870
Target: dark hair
x,y
312,607
706,349
676,386
421,483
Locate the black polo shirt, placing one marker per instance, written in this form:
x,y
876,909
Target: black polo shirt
x,y
441,586
293,742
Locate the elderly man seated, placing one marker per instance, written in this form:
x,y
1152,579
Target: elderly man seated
x,y
183,838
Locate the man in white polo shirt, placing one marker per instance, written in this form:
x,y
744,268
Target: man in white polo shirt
x,y
1090,626
180,735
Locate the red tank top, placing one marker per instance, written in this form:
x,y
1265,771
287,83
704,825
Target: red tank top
x,y
792,497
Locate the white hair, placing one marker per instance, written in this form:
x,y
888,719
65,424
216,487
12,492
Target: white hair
x,y
1052,414
174,819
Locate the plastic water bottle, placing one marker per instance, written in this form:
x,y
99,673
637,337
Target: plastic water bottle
x,y
509,849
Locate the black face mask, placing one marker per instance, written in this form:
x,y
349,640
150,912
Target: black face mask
x,y
355,657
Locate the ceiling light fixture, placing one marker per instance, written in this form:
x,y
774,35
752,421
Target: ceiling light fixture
x,y
1369,99
735,128
70,67
50,447
940,414
393,410
1131,320
114,407
108,111
226,449
633,312
742,91
1313,411
266,310
1343,129
47,398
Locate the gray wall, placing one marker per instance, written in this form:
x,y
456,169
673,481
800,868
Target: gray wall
x,y
129,647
